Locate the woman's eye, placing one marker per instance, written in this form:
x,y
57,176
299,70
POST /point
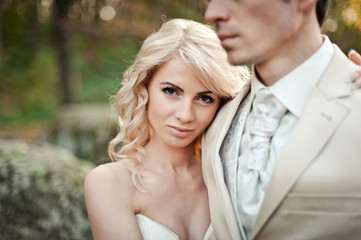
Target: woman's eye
x,y
206,99
169,91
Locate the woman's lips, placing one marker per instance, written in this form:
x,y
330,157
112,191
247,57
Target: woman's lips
x,y
180,132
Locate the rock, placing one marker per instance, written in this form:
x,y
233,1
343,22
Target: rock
x,y
85,130
41,192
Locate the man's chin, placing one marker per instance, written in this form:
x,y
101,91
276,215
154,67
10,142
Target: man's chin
x,y
238,58
233,59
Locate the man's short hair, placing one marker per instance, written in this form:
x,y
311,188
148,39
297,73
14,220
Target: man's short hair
x,y
321,10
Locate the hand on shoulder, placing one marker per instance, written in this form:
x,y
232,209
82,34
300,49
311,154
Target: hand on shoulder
x,y
356,76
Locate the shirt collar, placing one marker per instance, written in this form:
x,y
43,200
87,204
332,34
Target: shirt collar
x,y
295,88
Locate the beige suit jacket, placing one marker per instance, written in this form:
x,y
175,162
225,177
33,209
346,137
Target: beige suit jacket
x,y
315,189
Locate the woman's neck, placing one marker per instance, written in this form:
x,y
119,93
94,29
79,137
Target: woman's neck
x,y
168,157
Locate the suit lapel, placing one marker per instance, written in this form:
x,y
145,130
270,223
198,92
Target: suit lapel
x,y
321,117
218,130
230,109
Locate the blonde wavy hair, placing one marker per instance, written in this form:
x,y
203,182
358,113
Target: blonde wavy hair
x,y
199,47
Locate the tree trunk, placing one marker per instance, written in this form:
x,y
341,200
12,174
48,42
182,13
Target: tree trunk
x,y
61,32
1,39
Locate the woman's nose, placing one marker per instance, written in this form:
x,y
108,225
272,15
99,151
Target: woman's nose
x,y
185,111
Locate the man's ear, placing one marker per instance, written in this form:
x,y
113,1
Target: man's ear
x,y
305,5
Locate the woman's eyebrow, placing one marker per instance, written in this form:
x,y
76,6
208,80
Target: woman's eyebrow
x,y
205,92
168,83
180,89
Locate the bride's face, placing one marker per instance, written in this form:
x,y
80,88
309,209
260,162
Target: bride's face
x,y
180,107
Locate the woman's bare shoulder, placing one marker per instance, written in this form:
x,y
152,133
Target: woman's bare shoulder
x,y
111,168
111,182
113,174
111,202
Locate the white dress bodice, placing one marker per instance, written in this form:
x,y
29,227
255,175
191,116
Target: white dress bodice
x,y
152,230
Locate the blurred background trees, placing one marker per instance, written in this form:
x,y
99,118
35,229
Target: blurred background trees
x,y
343,24
60,62
56,52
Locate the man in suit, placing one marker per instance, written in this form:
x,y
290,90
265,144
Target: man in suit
x,y
296,175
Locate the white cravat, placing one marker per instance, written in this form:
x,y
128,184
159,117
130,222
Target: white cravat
x,y
264,121
261,125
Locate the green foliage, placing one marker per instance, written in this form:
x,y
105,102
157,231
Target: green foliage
x,y
41,193
27,91
28,79
99,66
349,32
346,21
181,8
19,34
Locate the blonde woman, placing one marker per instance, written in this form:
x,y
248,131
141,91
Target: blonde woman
x,y
154,187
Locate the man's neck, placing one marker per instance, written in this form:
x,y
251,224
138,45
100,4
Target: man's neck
x,y
292,54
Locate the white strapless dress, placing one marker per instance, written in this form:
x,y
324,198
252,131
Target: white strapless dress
x,y
152,230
